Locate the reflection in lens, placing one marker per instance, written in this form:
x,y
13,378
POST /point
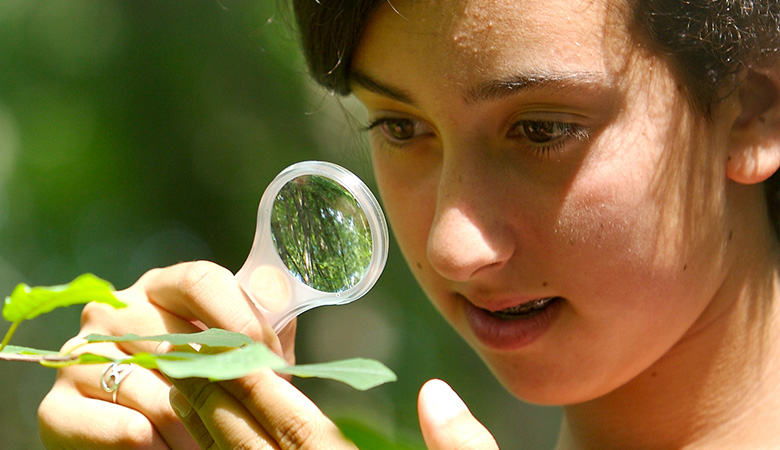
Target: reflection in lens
x,y
321,233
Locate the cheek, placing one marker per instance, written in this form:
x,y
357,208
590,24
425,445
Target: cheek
x,y
604,234
608,211
626,229
609,222
409,206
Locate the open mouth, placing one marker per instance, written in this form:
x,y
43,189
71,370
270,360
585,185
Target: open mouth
x,y
525,310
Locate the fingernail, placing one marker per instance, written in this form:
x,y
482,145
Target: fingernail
x,y
179,403
442,402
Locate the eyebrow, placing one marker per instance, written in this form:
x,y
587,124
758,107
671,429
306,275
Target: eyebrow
x,y
564,81
368,83
494,89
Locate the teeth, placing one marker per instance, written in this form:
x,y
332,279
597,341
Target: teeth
x,y
525,308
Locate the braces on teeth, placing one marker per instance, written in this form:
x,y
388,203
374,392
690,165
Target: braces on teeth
x,y
526,307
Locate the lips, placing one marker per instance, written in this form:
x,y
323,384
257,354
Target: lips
x,y
514,327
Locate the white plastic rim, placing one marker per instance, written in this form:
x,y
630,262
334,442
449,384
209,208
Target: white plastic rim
x,y
263,253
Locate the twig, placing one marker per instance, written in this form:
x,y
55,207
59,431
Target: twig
x,y
37,358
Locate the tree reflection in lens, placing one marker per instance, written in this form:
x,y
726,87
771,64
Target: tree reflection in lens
x,y
321,233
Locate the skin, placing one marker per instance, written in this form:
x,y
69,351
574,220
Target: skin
x,y
643,224
590,180
550,214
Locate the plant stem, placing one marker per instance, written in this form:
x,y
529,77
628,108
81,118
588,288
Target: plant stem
x,y
52,360
8,334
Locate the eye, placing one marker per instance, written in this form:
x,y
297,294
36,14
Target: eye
x,y
541,132
544,137
399,130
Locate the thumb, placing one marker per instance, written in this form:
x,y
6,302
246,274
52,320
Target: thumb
x,y
446,422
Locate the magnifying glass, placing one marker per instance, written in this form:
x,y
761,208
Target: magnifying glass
x,y
321,239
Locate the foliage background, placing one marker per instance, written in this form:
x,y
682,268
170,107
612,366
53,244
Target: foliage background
x,y
137,134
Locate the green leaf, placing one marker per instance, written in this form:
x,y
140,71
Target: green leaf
x,y
26,303
213,337
221,366
241,357
15,349
360,373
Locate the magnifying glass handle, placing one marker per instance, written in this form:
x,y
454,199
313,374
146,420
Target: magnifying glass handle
x,y
270,290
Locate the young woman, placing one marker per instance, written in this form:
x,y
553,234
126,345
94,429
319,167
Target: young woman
x,y
579,186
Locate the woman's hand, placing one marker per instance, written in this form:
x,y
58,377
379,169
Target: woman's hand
x,y
259,411
446,422
186,298
263,411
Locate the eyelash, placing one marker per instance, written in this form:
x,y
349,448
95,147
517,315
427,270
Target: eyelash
x,y
381,125
567,132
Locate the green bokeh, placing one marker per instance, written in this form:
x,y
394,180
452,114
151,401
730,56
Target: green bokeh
x,y
136,134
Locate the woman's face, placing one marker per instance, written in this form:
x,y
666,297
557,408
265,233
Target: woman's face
x,y
547,186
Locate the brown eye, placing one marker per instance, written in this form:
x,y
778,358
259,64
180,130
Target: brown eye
x,y
545,136
541,132
399,129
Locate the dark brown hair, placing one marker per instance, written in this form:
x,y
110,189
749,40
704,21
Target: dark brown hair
x,y
711,42
330,31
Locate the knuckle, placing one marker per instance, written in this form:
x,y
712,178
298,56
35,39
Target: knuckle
x,y
203,396
94,312
301,431
133,431
199,281
47,412
202,281
252,442
298,432
198,275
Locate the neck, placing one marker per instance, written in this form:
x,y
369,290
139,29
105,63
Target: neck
x,y
719,387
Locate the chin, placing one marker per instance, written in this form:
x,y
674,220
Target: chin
x,y
548,386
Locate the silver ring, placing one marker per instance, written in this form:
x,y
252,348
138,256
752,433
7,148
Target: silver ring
x,y
113,375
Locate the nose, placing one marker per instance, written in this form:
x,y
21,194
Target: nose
x,y
471,231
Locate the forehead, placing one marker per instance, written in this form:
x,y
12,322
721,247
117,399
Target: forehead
x,y
466,41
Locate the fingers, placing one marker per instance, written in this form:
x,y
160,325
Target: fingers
x,y
65,413
141,318
287,415
62,417
208,293
185,298
261,411
141,390
141,408
216,419
447,423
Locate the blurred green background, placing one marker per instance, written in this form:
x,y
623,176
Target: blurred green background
x,y
137,134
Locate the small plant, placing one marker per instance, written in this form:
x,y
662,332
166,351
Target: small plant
x,y
220,354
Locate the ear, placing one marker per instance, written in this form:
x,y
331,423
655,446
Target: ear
x,y
754,146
